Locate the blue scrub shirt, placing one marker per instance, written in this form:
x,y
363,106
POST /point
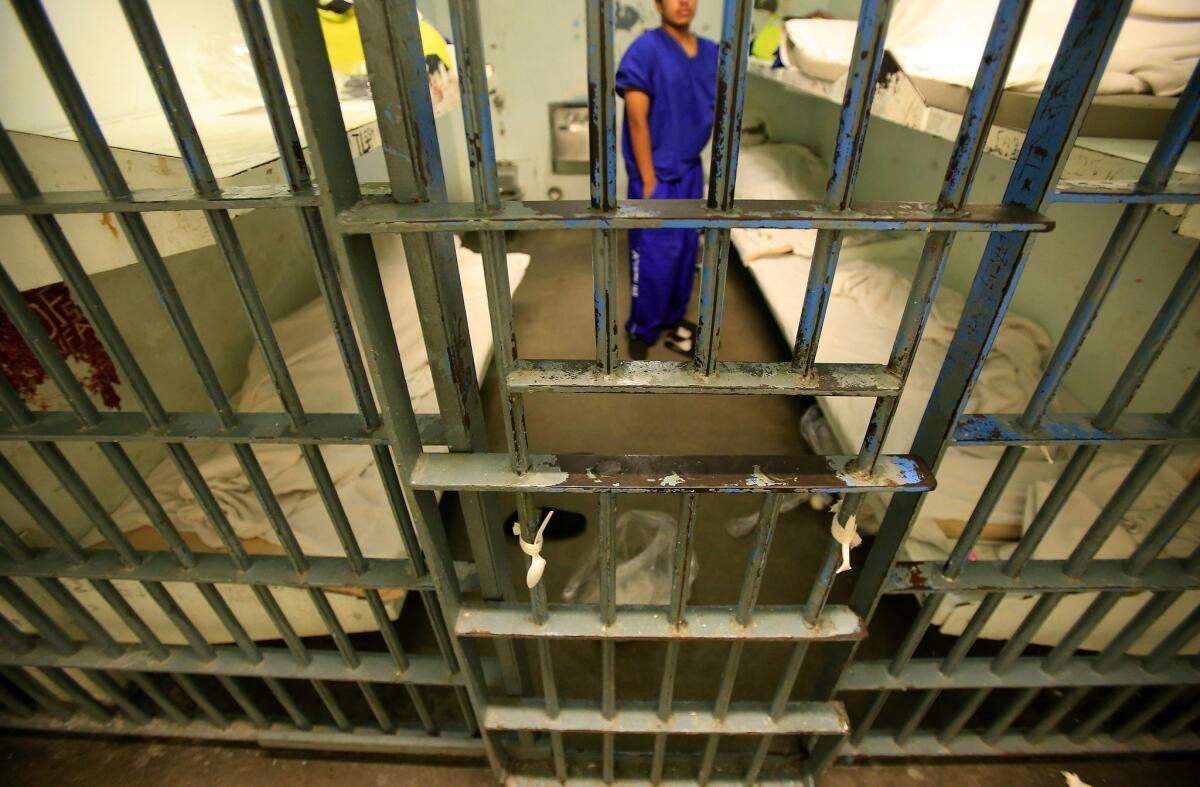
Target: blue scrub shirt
x,y
682,94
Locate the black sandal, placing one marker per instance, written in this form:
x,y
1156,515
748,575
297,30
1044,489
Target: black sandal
x,y
683,339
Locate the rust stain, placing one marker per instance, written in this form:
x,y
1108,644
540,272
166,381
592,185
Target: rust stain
x,y
916,577
107,220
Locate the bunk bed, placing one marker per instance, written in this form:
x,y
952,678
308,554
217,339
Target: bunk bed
x,y
935,47
867,298
311,351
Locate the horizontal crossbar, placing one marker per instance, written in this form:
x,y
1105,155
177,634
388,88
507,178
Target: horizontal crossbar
x,y
426,670
680,377
926,744
275,570
702,623
591,473
149,200
383,215
686,718
196,427
1124,191
1025,672
1071,429
323,737
1037,576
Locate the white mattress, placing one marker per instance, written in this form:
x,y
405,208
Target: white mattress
x,y
856,333
316,366
866,301
944,40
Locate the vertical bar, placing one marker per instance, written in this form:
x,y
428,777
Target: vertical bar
x,y
14,704
860,728
165,703
608,615
681,555
756,567
244,701
602,143
87,130
258,40
1050,720
1180,722
51,704
382,718
851,133
1001,723
202,701
303,48
915,716
289,705
340,720
1165,529
963,715
722,175
400,88
1112,703
266,600
46,628
1163,697
14,639
1066,647
77,694
1150,612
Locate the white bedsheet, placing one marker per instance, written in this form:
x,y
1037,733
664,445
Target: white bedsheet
x,y
316,366
866,301
860,327
944,39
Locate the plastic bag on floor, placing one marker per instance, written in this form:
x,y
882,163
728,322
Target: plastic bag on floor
x,y
739,526
817,433
644,544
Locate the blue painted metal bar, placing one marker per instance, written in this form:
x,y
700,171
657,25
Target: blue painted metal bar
x,y
722,175
602,148
1162,163
1087,41
866,59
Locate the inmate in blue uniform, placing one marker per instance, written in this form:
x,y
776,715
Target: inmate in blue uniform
x,y
682,98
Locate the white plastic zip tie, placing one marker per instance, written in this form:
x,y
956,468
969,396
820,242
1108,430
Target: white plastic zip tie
x,y
537,566
846,535
1046,453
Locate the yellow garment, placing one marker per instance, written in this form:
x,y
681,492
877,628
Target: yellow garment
x,y
345,45
766,43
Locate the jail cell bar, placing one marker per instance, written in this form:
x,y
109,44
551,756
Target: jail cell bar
x,y
961,683
496,698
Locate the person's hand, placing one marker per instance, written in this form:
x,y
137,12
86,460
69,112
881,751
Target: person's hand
x,y
649,188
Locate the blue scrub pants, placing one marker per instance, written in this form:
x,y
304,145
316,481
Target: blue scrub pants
x,y
662,263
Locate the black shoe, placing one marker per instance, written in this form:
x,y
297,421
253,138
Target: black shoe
x,y
638,349
682,338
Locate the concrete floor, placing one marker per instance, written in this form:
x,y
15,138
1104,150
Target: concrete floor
x,y
553,317
27,761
